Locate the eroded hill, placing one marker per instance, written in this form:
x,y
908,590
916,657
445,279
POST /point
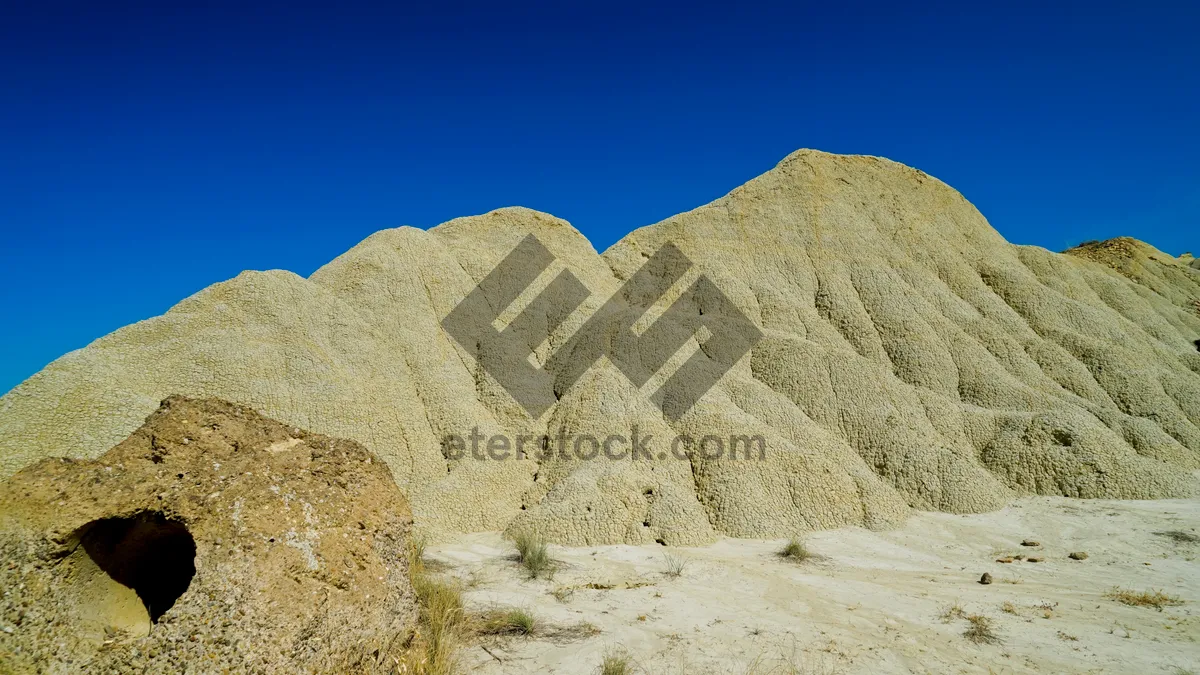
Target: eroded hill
x,y
911,358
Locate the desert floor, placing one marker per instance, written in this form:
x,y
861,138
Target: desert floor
x,y
874,602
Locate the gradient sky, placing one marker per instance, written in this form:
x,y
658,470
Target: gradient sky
x,y
147,150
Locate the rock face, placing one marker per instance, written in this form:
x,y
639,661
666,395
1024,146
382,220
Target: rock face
x,y
911,358
212,538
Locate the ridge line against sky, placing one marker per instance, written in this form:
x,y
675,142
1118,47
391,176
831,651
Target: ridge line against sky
x,y
149,151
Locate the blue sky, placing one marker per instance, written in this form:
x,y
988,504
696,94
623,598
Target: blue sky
x,y
147,151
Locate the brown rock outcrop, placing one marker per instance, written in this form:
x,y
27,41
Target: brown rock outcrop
x,y
213,539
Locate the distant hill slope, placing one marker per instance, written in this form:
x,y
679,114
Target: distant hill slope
x,y
912,358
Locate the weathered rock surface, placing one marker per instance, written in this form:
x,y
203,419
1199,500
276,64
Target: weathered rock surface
x,y
211,540
912,358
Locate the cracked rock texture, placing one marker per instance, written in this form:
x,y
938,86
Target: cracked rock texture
x,y
295,543
911,358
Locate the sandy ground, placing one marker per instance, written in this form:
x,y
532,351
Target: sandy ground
x,y
874,602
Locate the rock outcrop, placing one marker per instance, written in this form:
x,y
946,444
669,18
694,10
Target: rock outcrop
x,y
911,358
212,539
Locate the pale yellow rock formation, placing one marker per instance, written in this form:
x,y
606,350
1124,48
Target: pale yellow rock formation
x,y
912,358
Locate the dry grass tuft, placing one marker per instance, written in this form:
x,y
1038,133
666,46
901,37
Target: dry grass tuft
x,y
431,648
981,630
1151,598
416,553
440,614
1047,609
788,665
533,554
511,621
616,662
796,551
675,566
1008,608
953,612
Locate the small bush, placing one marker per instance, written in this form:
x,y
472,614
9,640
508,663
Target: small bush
x,y
533,554
796,551
1151,598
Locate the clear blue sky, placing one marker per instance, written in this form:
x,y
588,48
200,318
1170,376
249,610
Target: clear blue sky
x,y
147,151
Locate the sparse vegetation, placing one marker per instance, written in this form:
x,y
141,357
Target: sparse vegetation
x,y
795,551
534,555
953,612
616,662
1180,537
1066,637
563,593
1008,608
1151,598
502,622
416,551
675,565
1047,609
787,665
980,630
510,621
440,611
431,648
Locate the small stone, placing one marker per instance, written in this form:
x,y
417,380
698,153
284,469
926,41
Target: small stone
x,y
1031,542
1032,559
1078,555
985,579
1004,560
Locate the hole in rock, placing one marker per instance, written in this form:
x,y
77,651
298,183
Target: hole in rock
x,y
1063,438
149,553
1197,343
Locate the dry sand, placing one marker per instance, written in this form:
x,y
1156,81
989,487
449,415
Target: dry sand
x,y
874,603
